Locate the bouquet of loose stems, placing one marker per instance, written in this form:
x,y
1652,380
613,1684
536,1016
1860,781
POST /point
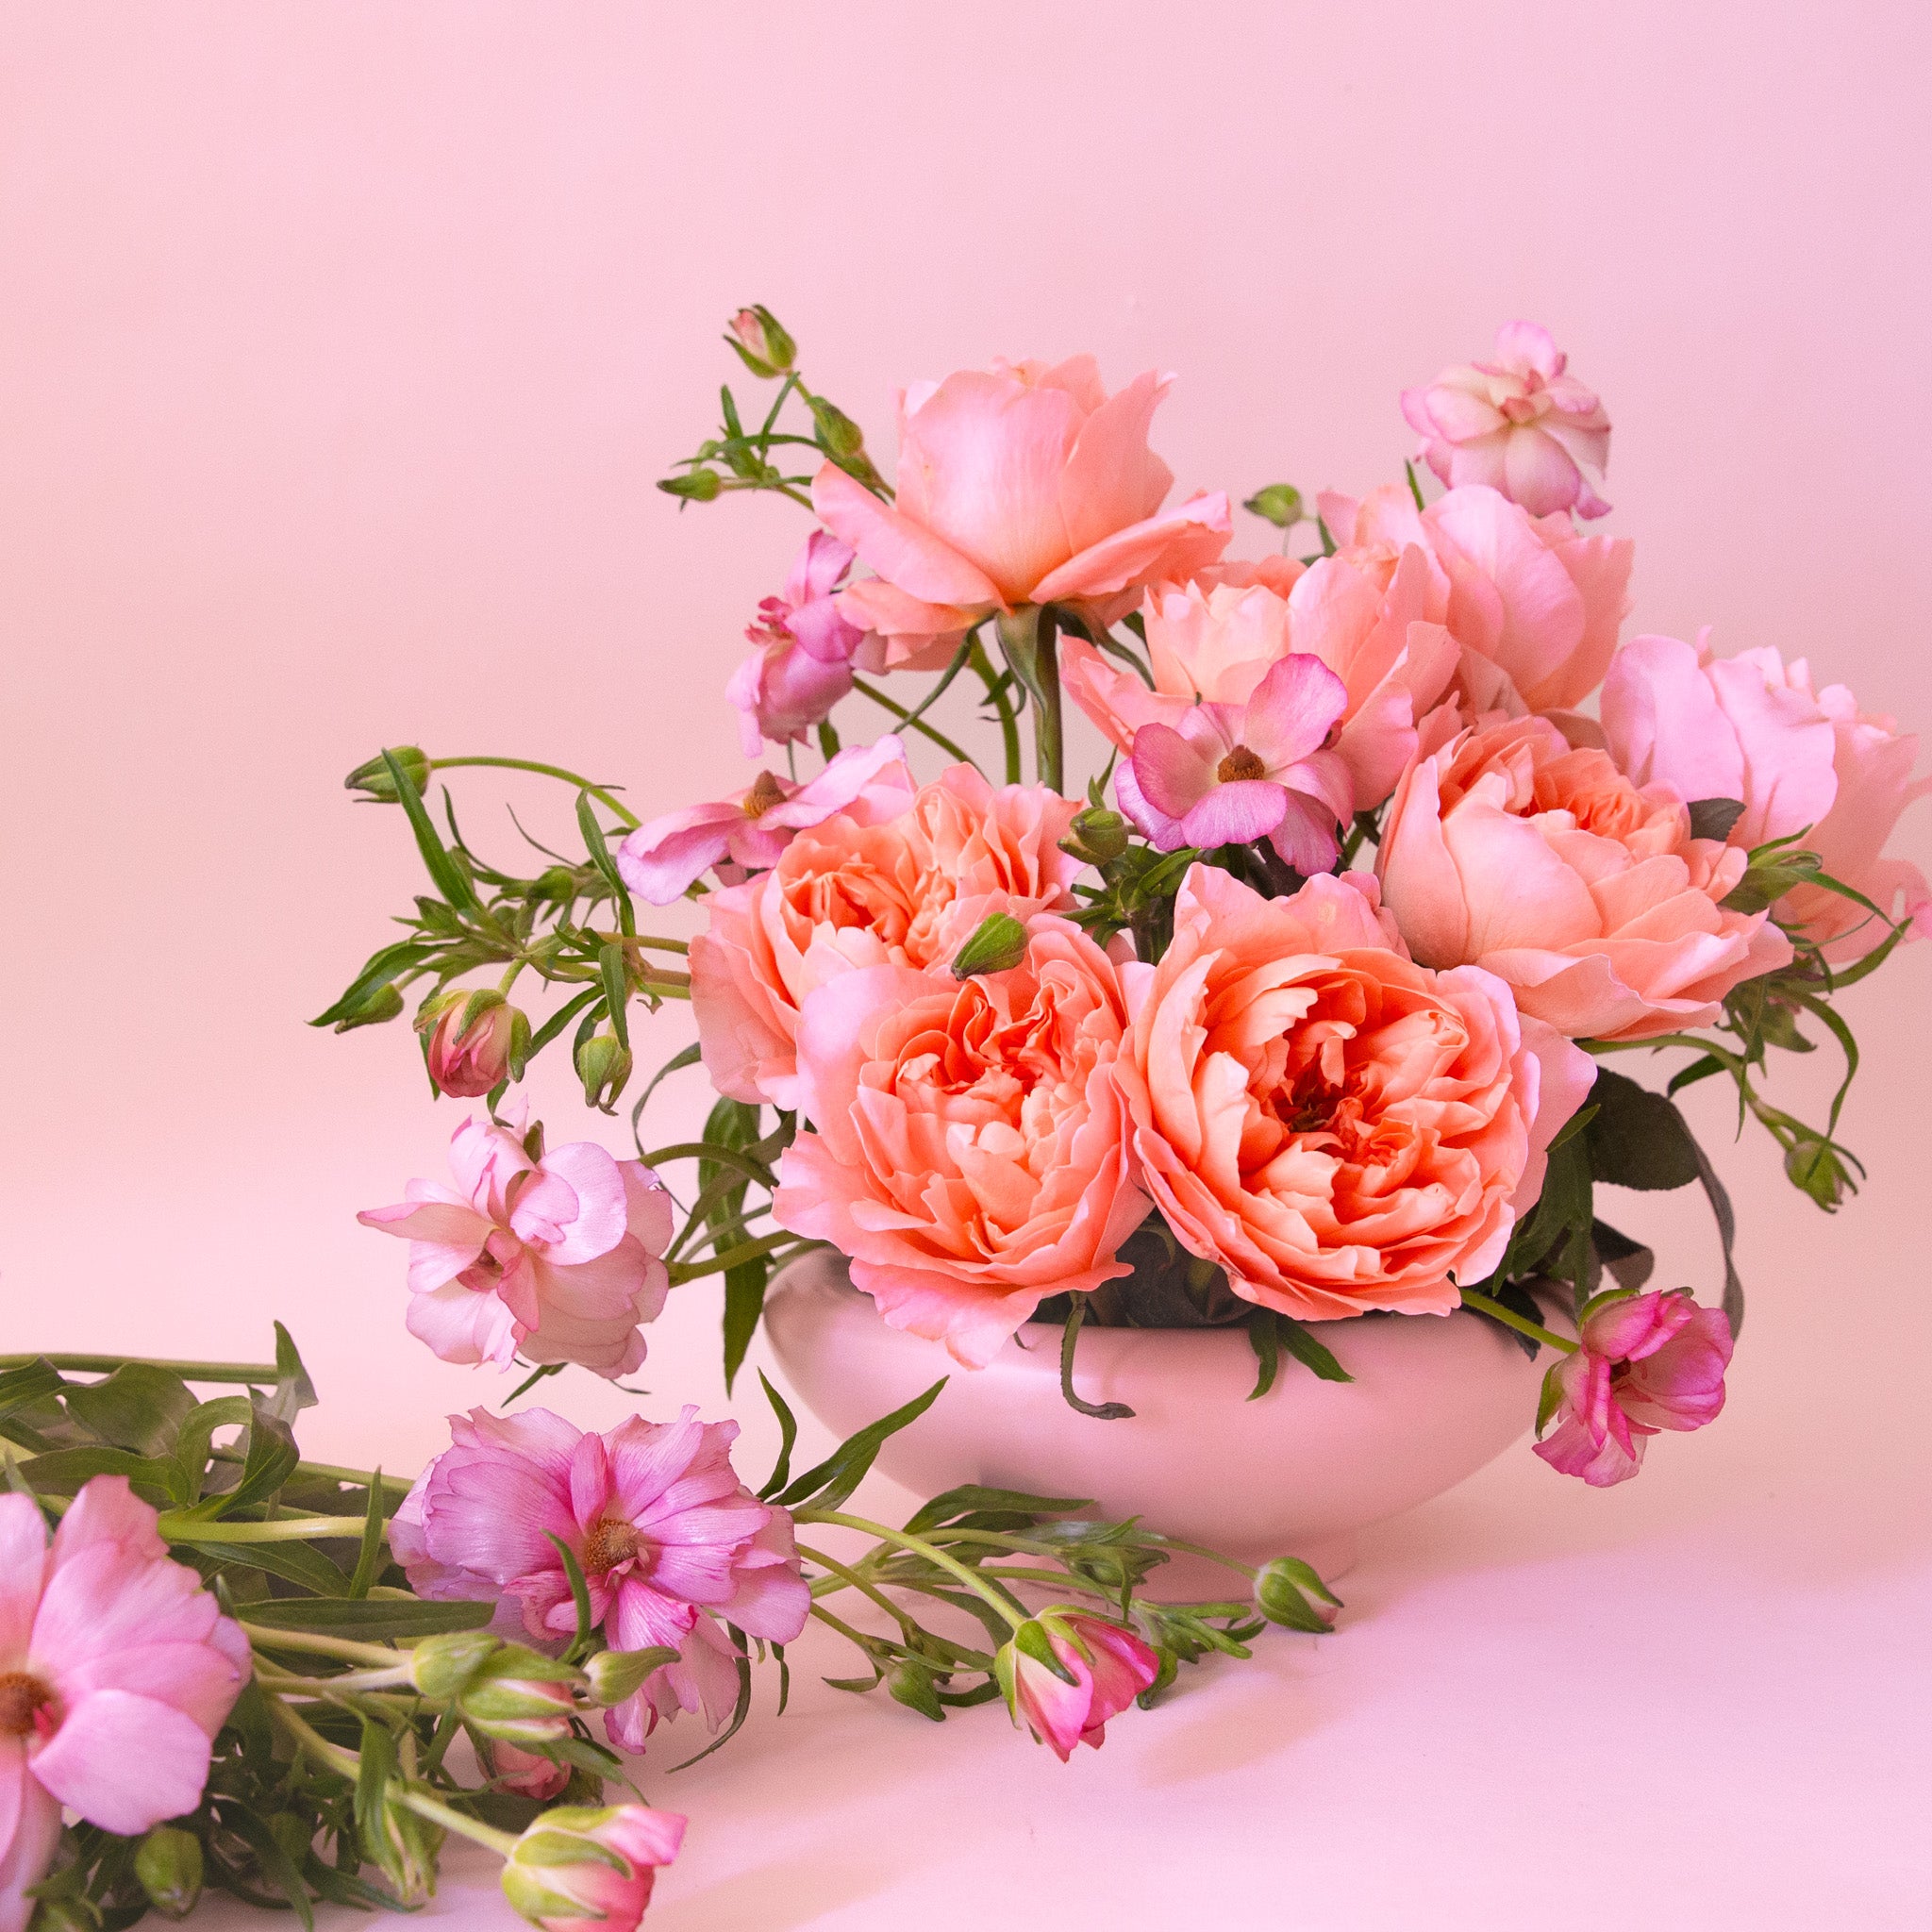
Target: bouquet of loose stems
x,y
1310,1004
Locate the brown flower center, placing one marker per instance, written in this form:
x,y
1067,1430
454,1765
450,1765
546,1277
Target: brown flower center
x,y
765,793
1240,763
21,1696
609,1543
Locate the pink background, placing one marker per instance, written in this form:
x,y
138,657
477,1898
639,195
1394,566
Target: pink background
x,y
340,347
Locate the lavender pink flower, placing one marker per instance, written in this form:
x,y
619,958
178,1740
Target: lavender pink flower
x,y
555,1258
116,1670
802,662
1110,1667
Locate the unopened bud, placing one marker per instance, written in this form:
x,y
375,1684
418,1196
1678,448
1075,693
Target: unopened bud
x,y
520,1697
838,435
378,1004
168,1864
1289,1593
695,486
558,884
616,1674
604,1067
761,340
999,944
440,1667
474,1041
374,778
1280,503
579,1867
1097,837
527,1773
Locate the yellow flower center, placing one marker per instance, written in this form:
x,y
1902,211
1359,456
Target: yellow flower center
x,y
765,793
609,1543
21,1697
1240,763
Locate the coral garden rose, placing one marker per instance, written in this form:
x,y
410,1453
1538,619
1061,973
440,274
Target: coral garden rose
x,y
660,860
1800,759
1023,484
1644,1364
578,1870
969,1153
1531,597
1520,424
1110,1667
908,891
1511,849
1338,1129
667,1537
116,1670
803,651
555,1258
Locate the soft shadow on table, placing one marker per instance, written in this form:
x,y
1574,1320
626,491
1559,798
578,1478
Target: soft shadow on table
x,y
785,1895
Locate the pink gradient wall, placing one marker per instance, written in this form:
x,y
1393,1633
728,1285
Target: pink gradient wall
x,y
340,345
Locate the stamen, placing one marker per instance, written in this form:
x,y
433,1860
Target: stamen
x,y
609,1543
765,793
1240,763
21,1696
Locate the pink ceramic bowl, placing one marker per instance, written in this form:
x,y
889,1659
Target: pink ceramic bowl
x,y
1296,1473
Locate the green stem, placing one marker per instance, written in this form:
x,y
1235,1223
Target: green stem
x,y
732,1257
177,1526
1010,718
1028,637
189,1371
313,1643
842,1573
269,1678
1510,1319
311,1740
597,791
919,1547
501,1842
918,724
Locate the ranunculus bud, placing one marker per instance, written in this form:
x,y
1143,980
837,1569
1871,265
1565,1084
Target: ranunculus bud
x,y
1280,503
168,1864
1289,1593
617,1674
604,1067
761,340
998,943
520,1697
378,1004
1066,1673
473,1041
695,486
373,777
1097,835
440,1667
525,1774
838,435
575,1868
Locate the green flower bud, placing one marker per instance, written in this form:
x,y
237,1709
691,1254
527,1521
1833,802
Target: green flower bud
x,y
1097,837
576,1866
1283,1591
604,1067
168,1864
616,1674
838,435
559,884
695,486
1280,503
998,944
374,779
440,1667
764,345
520,1697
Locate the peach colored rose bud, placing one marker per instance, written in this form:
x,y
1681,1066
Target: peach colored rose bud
x,y
762,342
524,1774
1066,1674
474,1041
373,776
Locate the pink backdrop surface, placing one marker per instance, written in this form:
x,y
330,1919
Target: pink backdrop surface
x,y
340,347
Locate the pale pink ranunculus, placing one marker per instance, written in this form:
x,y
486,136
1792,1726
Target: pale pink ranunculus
x,y
1020,485
667,1537
1337,1127
1521,425
1644,1364
660,860
1110,1667
910,891
1800,759
466,1061
578,1870
1533,598
1513,850
556,1259
803,651
1378,629
116,1670
969,1153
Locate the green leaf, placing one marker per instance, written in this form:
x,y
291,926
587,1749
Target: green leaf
x,y
976,1499
1727,1234
30,1383
552,1026
1630,1263
194,1438
829,1483
270,1462
369,1557
447,875
1713,818
580,1596
1069,1338
138,1407
1265,1340
1637,1139
1312,1354
63,1471
1551,1397
788,1435
293,1562
600,856
911,1683
278,1867
374,1620
377,971
294,1391
745,1301
614,976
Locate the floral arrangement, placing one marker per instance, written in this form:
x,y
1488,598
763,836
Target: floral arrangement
x,y
1310,1002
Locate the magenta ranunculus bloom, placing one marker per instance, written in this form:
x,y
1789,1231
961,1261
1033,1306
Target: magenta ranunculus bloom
x,y
606,1886
802,662
668,1538
557,1258
660,860
116,1670
1520,424
1644,1364
1110,1666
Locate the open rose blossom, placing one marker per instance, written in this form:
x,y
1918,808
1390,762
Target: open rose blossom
x,y
1520,424
1644,1364
1379,630
1110,1667
667,1536
1023,484
116,1670
1511,850
1802,760
970,1149
1531,597
1337,1127
801,663
579,1870
660,860
555,1258
909,891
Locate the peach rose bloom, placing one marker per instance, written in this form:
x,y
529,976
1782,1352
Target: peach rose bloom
x,y
1528,595
1511,849
971,1154
1023,484
1337,1127
908,892
1378,630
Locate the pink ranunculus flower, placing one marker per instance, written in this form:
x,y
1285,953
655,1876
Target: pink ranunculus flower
x,y
1229,775
1511,850
1022,485
969,1153
1535,600
660,860
465,1062
1110,1667
1338,1129
116,1670
667,1536
579,1870
804,649
909,890
1378,630
1644,1364
557,1258
1800,759
1520,424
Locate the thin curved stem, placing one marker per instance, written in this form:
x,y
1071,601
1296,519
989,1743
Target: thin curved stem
x,y
1510,1319
919,1547
543,771
918,724
176,1525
